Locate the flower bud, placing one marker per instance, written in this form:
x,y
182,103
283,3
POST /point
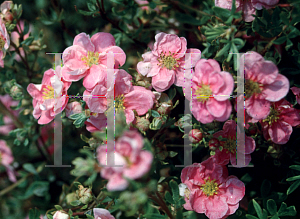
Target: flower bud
x,y
16,92
8,17
195,136
73,108
142,123
213,144
71,197
84,195
165,108
61,215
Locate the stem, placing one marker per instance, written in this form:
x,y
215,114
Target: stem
x,y
22,58
11,187
162,204
6,111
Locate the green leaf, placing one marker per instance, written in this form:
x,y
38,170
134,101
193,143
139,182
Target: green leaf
x,y
188,19
289,44
34,214
257,209
38,188
293,178
28,41
172,93
75,203
286,211
86,13
58,207
224,50
89,216
155,113
295,167
275,216
265,188
152,5
293,187
222,13
272,207
30,168
169,198
26,28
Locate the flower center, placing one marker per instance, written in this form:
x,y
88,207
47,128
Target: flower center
x,y
167,61
48,92
210,187
2,42
230,145
273,116
203,93
187,193
91,59
119,103
251,88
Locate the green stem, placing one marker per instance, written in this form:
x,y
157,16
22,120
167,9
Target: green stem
x,y
7,112
11,187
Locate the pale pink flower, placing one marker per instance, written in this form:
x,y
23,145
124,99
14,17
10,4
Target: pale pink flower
x,y
5,9
230,149
208,189
296,91
61,215
6,158
127,97
247,6
73,108
278,126
96,122
8,122
49,98
88,58
263,85
4,42
211,89
166,62
133,162
101,213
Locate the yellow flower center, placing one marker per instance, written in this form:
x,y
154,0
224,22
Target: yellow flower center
x,y
203,93
92,58
251,88
187,193
230,145
48,92
118,103
167,61
210,187
2,42
273,116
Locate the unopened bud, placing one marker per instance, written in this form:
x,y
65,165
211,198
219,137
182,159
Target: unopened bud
x,y
84,195
61,215
73,108
142,123
195,136
71,197
213,144
16,92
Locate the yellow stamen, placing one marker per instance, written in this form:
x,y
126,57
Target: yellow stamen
x,y
92,58
48,92
230,145
251,88
273,116
2,42
210,187
168,61
203,93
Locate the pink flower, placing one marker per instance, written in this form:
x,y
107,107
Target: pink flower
x,y
49,98
73,108
208,189
88,57
4,42
247,6
263,85
166,62
296,91
8,122
6,158
211,89
141,2
229,151
101,213
129,154
127,97
96,122
278,125
5,9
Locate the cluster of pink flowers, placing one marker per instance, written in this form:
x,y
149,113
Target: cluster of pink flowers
x,y
131,161
208,189
247,6
4,42
6,158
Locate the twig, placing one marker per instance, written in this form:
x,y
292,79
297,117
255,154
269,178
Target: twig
x,y
11,187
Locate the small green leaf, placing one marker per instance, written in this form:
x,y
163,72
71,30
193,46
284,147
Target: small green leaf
x,y
265,188
172,93
280,40
223,50
75,203
250,216
293,178
293,187
169,198
28,41
295,167
58,207
30,168
257,209
272,207
155,113
286,211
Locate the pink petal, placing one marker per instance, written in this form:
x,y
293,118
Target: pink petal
x,y
278,89
216,108
181,52
101,213
280,132
117,183
249,145
102,41
72,58
196,55
96,74
70,75
235,190
264,72
119,55
123,82
83,40
200,112
257,108
213,212
227,112
45,117
198,203
225,91
163,80
248,11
